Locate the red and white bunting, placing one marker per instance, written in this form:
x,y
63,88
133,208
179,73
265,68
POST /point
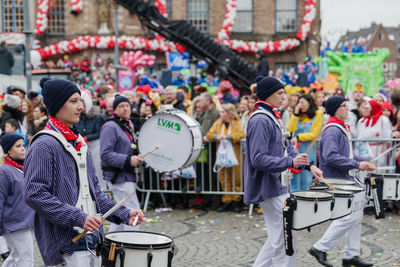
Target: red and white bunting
x,y
76,6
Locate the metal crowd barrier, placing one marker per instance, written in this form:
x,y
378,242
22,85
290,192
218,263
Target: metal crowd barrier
x,y
208,182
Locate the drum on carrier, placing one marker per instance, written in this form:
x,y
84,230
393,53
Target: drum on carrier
x,y
388,185
342,203
135,248
178,136
335,181
308,208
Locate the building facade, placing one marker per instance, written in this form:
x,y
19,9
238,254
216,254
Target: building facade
x,y
256,20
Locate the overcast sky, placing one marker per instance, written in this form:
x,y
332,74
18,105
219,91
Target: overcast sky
x,y
338,16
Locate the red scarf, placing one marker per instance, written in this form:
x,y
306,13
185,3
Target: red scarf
x,y
11,162
376,113
274,109
58,126
334,119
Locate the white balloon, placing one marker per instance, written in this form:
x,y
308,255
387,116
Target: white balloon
x,y
35,58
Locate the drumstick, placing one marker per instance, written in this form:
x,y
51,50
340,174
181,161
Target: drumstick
x,y
328,184
135,221
105,215
148,153
311,145
384,153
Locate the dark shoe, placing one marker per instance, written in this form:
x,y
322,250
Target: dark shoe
x,y
237,207
356,261
4,256
225,207
320,256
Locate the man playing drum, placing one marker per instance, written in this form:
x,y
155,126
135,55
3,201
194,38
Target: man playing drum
x,y
336,160
268,155
61,184
117,147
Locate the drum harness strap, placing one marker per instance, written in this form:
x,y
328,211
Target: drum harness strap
x,y
290,204
85,201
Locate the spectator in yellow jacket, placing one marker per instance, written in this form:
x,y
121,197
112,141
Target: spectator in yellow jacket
x,y
229,127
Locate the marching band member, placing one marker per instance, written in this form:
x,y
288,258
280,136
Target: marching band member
x,y
117,150
268,155
61,184
16,217
336,160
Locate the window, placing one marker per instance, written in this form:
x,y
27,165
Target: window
x,y
285,67
381,37
286,16
244,16
197,14
12,14
391,37
56,18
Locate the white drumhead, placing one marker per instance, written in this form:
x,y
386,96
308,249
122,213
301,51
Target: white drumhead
x,y
352,188
138,238
311,194
174,138
339,181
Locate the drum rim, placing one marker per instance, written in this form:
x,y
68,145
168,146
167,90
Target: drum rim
x,y
341,193
383,175
345,181
325,198
168,111
361,189
139,246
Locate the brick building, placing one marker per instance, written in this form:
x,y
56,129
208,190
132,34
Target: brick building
x,y
256,20
378,37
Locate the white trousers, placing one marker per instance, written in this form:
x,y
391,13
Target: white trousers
x,y
3,245
348,227
120,191
273,252
80,259
21,246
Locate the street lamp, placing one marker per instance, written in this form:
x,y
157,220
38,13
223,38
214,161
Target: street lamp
x,y
28,32
116,48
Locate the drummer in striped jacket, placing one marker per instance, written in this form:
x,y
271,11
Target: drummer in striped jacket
x,y
52,184
336,161
265,163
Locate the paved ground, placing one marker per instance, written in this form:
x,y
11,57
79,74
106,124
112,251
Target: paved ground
x,y
211,239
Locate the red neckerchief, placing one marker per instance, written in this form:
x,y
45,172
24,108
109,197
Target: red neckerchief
x,y
58,126
274,109
334,119
11,162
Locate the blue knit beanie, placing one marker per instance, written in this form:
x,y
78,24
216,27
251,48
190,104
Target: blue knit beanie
x,y
8,140
118,100
333,103
266,86
56,92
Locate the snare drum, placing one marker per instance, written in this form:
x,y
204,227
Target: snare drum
x,y
319,187
311,208
343,203
178,136
135,248
391,185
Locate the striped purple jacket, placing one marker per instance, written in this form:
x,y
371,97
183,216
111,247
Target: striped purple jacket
x,y
51,189
15,215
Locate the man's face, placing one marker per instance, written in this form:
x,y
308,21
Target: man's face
x,y
109,107
277,98
170,95
123,110
358,95
18,93
71,110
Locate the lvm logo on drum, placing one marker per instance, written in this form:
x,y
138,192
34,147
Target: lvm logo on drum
x,y
170,125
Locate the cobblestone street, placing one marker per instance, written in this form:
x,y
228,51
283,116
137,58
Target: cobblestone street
x,y
211,239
